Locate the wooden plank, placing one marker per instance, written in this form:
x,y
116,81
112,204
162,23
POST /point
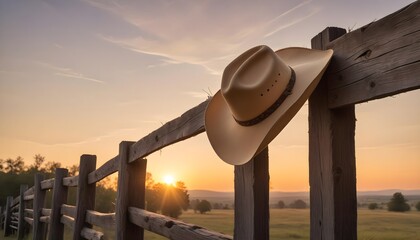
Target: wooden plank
x,y
187,125
171,228
21,222
30,191
252,199
68,210
332,172
29,220
103,220
28,197
47,184
46,211
8,215
91,234
85,195
59,198
130,176
378,60
71,181
44,219
15,201
39,228
68,221
105,170
29,211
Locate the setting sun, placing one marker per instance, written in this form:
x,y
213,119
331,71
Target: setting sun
x,y
169,180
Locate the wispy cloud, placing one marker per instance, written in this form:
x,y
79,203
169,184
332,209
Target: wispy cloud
x,y
202,95
69,73
206,33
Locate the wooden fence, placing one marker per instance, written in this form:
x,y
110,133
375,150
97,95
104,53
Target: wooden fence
x,y
378,60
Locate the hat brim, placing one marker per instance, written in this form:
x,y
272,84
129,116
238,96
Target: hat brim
x,y
236,144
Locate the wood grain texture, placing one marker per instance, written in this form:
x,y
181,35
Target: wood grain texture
x,y
29,211
332,172
29,220
85,195
44,219
30,191
47,184
59,197
378,60
187,125
103,220
71,181
91,234
28,197
130,176
105,170
22,226
68,210
39,228
68,221
252,199
171,228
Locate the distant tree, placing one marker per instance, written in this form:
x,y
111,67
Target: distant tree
x,y
226,207
193,204
38,161
203,206
51,166
73,170
14,165
418,206
281,204
373,206
298,204
170,200
398,203
174,200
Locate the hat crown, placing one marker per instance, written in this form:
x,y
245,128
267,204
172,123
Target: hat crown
x,y
253,82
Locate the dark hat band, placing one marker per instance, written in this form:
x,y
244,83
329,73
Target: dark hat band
x,y
274,106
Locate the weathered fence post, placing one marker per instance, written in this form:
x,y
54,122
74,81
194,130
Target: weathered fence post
x,y
131,193
59,197
1,218
85,194
8,217
332,168
39,228
22,224
252,199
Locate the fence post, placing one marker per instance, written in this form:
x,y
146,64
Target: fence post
x,y
131,193
1,218
39,228
252,199
59,198
7,217
21,221
85,194
332,168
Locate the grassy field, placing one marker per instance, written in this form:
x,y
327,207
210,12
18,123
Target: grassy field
x,y
293,224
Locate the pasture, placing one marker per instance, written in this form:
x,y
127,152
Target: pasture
x,y
292,224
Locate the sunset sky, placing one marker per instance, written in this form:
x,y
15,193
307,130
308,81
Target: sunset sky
x,y
81,76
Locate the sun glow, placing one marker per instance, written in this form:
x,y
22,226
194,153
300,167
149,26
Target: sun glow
x,y
169,180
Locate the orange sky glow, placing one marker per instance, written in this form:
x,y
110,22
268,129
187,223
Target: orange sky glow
x,y
78,77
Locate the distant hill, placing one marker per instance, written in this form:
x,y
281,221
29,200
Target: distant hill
x,y
288,197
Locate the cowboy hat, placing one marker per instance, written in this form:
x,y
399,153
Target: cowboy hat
x,y
261,91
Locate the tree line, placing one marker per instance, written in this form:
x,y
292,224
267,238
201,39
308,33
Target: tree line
x,y
169,200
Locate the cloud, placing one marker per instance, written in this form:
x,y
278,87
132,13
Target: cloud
x,y
207,33
202,95
69,73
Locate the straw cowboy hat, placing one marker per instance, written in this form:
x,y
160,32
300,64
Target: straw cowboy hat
x,y
261,92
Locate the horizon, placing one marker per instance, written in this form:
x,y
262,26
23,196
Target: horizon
x,y
74,85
